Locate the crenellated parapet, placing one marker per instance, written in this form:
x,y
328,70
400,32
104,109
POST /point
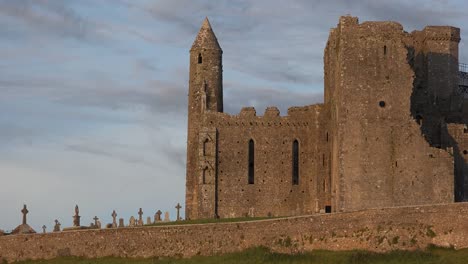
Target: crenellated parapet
x,y
296,117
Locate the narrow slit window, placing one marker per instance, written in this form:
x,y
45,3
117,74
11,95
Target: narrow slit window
x,y
295,163
204,175
385,50
205,146
200,59
251,162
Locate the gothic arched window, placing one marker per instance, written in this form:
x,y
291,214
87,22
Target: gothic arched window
x,y
295,162
251,162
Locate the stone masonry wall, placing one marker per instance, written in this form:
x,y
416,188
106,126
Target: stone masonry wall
x,y
382,158
405,228
273,192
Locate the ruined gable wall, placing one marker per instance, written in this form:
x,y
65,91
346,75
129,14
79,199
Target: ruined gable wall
x,y
383,159
273,192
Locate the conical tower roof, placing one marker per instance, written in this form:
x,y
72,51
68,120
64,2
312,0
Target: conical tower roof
x,y
206,38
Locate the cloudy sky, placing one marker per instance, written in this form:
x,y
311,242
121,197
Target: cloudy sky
x,y
93,93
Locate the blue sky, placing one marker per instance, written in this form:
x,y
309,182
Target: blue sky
x,y
93,93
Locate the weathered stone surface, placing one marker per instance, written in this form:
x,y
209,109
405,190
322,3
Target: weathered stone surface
x,y
366,146
405,228
157,216
57,226
76,217
132,222
166,217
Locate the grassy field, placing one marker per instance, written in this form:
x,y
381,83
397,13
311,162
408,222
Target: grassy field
x,y
211,220
262,255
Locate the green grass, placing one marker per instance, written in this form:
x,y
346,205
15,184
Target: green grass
x,y
211,220
263,255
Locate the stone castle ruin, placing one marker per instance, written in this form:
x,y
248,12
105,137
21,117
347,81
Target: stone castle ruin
x,y
392,130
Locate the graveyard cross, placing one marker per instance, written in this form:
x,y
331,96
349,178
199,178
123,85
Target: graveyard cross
x,y
158,215
25,212
114,221
178,211
140,213
96,221
44,229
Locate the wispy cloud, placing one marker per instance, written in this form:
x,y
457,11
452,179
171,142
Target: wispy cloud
x,y
96,91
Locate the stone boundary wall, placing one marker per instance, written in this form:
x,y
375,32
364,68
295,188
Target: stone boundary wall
x,y
385,229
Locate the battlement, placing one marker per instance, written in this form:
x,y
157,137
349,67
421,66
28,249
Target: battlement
x,y
441,33
377,123
272,113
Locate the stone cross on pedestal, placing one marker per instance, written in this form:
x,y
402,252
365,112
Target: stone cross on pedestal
x,y
25,212
76,217
140,219
114,221
57,226
178,211
44,229
95,221
157,216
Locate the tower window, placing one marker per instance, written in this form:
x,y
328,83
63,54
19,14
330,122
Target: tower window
x,y
204,175
200,59
385,50
251,162
295,163
382,104
205,148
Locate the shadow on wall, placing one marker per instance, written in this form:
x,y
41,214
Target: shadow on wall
x,y
436,103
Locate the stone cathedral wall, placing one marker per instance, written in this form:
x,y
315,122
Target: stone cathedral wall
x,y
273,192
381,155
403,228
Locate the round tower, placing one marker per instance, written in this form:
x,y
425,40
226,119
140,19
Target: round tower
x,y
205,94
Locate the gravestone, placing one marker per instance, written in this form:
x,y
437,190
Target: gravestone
x,y
121,222
166,217
131,223
44,229
24,228
114,222
140,218
96,221
25,212
57,226
178,211
157,216
148,220
76,217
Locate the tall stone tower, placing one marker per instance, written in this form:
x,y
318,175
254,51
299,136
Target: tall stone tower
x,y
205,94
